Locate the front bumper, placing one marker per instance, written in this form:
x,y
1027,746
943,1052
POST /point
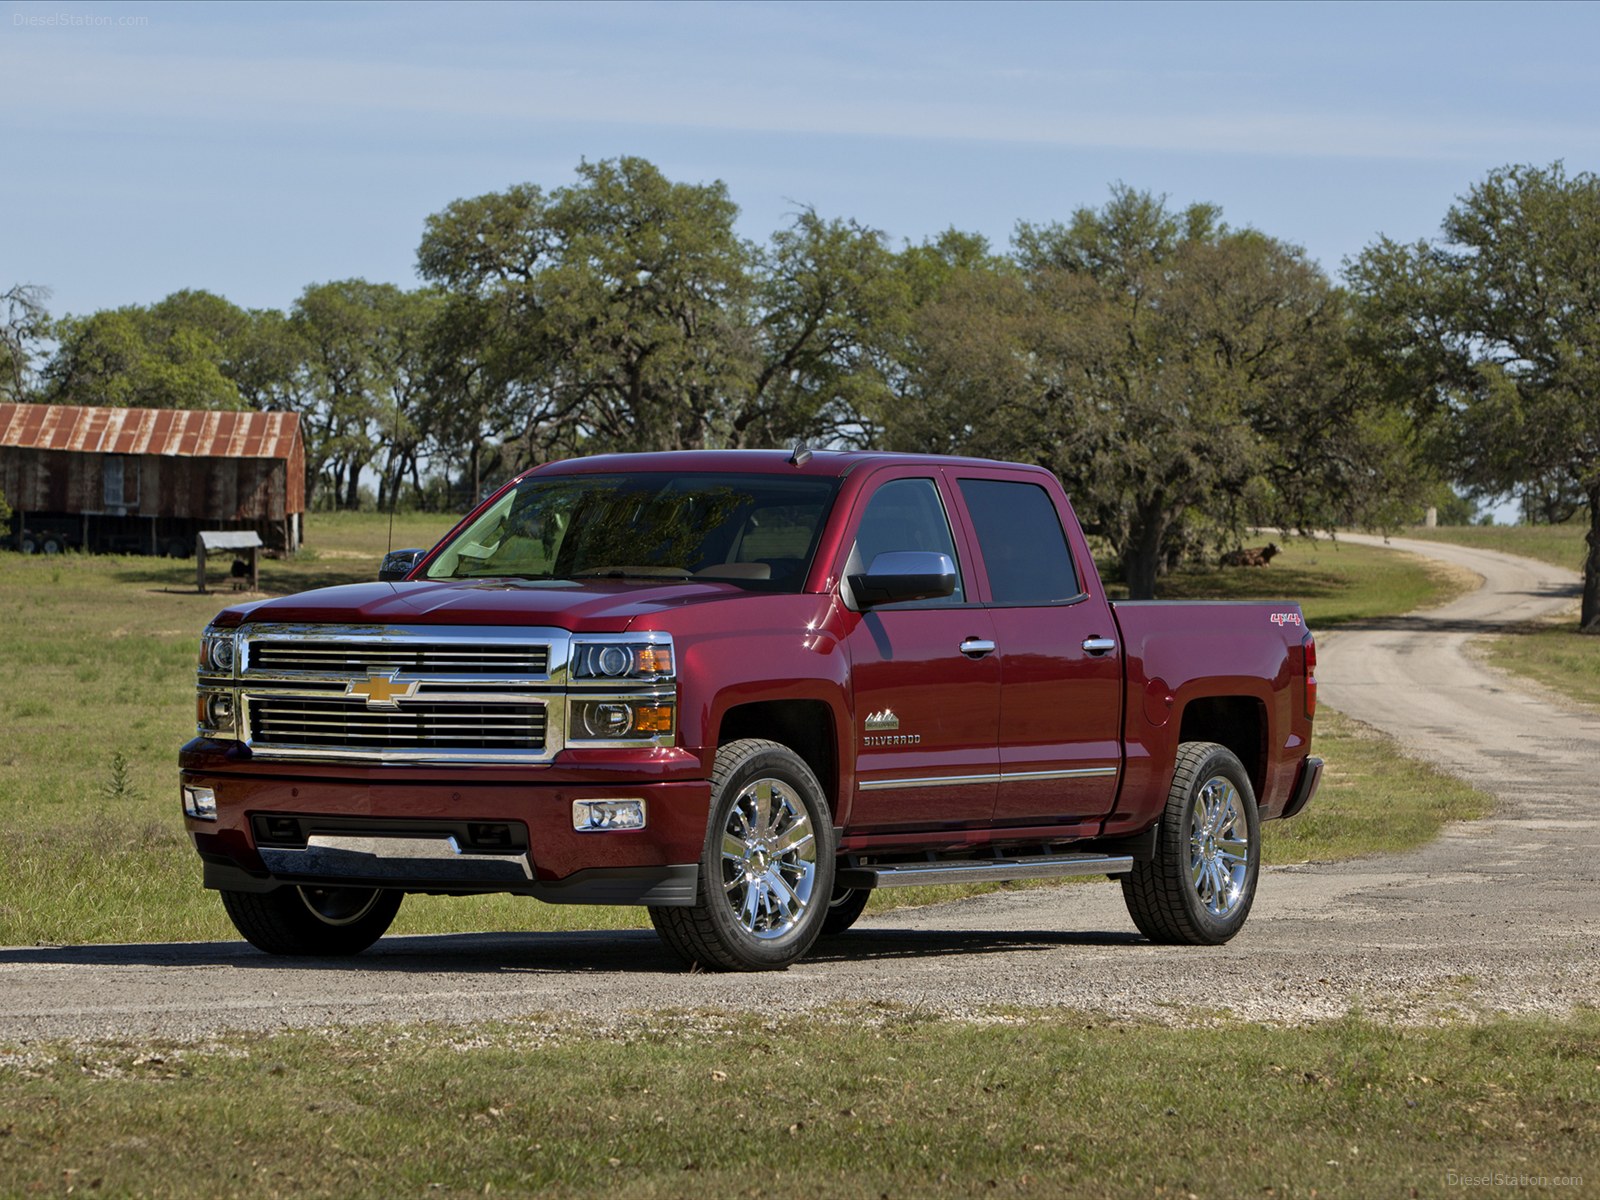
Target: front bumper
x,y
453,838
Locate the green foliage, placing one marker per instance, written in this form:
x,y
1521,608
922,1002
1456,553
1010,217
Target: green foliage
x,y
173,354
24,326
1491,336
604,315
363,352
1185,380
118,786
828,294
623,313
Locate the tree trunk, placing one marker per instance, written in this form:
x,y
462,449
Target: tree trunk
x,y
1589,614
1141,558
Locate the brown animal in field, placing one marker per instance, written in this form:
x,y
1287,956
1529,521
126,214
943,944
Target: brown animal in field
x,y
1250,556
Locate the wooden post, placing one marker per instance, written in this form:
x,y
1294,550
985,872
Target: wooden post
x,y
200,563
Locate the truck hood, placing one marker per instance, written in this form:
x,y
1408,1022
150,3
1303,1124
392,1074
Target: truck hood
x,y
590,606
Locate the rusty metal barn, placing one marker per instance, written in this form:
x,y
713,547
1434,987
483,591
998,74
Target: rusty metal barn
x,y
146,480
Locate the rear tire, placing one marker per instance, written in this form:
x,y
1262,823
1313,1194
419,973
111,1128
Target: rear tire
x,y
1198,887
766,869
313,921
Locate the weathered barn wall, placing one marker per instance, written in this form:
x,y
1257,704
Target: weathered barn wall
x,y
172,467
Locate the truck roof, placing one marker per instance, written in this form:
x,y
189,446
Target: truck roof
x,y
766,462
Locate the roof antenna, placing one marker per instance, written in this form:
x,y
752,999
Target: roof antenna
x,y
801,454
394,499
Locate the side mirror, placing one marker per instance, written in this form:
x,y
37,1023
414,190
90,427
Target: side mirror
x,y
397,564
904,575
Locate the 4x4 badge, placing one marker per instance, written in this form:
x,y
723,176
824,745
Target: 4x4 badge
x,y
381,691
884,719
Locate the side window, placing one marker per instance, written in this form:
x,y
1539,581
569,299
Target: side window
x,y
120,479
1022,542
905,514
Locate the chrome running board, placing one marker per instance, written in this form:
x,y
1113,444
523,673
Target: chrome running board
x,y
982,870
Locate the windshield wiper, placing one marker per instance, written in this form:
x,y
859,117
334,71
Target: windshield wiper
x,y
654,573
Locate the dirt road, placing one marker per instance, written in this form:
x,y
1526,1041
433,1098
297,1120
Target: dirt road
x,y
1499,915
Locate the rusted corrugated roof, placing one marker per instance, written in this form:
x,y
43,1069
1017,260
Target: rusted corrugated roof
x,y
169,431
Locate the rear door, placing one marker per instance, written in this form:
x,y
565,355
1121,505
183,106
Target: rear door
x,y
1060,726
925,677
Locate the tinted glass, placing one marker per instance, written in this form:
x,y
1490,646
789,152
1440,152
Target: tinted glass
x,y
758,531
905,514
1022,542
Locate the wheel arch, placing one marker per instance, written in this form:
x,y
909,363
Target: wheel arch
x,y
805,726
1237,722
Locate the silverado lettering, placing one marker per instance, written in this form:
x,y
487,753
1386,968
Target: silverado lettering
x,y
639,679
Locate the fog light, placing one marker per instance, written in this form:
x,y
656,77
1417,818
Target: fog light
x,y
200,803
599,815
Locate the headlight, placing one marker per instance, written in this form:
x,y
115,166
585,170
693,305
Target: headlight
x,y
619,660
216,714
218,651
620,719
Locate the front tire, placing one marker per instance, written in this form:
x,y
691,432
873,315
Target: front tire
x,y
1198,887
766,871
313,921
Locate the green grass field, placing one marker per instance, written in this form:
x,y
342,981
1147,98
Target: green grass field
x,y
864,1101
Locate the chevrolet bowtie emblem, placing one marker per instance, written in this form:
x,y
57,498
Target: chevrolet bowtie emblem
x,y
884,719
381,691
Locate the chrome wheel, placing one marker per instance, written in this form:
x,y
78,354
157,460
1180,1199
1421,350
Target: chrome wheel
x,y
339,906
769,858
1199,883
1219,848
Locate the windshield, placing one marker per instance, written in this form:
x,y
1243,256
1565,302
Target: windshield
x,y
757,531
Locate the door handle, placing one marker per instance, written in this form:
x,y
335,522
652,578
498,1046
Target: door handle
x,y
977,647
1098,645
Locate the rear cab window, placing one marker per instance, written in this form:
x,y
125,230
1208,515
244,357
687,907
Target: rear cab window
x,y
1024,548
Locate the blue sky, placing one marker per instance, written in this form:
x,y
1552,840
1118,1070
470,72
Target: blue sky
x,y
254,149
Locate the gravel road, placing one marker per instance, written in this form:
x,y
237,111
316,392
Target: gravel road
x,y
1498,915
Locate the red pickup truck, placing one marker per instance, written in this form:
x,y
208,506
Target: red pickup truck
x,y
743,688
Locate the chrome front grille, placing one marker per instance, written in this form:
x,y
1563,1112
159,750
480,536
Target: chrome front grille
x,y
404,693
301,721
379,657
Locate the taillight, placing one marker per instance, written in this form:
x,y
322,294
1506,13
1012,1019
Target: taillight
x,y
1309,645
